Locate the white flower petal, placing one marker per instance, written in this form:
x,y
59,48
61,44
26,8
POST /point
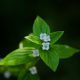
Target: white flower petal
x,y
47,38
42,35
33,70
45,45
7,74
35,53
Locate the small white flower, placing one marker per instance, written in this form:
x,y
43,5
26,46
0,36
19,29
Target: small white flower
x,y
7,74
1,59
45,45
21,45
33,70
42,35
36,53
47,38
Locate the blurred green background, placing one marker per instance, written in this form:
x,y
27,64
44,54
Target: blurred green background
x,y
16,21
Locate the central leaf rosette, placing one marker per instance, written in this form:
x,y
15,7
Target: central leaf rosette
x,y
43,37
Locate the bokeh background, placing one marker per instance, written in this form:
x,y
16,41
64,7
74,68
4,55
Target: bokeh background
x,y
16,21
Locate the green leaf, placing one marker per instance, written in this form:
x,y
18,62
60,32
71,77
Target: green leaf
x,y
64,51
19,56
34,39
55,36
50,57
25,75
33,77
15,70
40,26
27,43
31,64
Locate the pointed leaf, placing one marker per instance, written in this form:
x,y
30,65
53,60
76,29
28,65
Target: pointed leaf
x,y
27,43
34,39
40,26
25,75
33,77
31,64
55,36
64,51
15,70
50,57
19,56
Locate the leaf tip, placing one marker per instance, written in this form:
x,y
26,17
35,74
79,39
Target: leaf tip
x,y
62,32
78,50
55,70
38,16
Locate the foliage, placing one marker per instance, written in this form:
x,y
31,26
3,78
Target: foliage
x,y
49,52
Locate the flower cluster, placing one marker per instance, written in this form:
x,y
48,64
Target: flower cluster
x,y
45,38
33,70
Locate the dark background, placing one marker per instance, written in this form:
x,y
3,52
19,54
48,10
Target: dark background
x,y
16,21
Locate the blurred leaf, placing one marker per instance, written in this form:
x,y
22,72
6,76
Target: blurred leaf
x,y
25,75
34,39
50,57
2,68
15,70
40,26
33,76
55,36
64,51
28,43
31,64
19,56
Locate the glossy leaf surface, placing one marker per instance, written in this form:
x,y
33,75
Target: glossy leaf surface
x,y
50,57
40,26
19,56
55,36
25,75
34,39
64,51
